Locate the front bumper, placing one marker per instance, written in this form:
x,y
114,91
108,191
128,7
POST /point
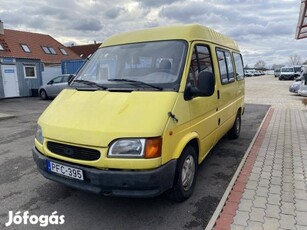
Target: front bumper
x,y
119,183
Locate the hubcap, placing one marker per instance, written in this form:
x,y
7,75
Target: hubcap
x,y
188,171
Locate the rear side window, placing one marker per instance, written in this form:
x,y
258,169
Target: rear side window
x,y
239,66
225,66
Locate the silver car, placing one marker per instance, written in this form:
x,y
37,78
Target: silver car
x,y
54,86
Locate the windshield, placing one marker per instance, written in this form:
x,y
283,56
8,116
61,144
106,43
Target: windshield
x,y
287,70
139,66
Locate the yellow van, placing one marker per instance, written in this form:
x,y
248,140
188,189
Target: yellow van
x,y
143,113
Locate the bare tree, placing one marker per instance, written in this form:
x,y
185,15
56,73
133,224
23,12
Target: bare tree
x,y
295,59
260,65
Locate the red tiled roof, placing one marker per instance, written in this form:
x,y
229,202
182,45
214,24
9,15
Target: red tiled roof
x,y
85,50
11,41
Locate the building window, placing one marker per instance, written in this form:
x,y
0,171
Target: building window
x,y
1,47
48,50
25,48
63,51
52,50
30,71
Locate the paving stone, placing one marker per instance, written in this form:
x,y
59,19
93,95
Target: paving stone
x,y
241,218
287,197
262,191
254,176
287,221
254,225
265,175
272,211
252,185
299,185
271,223
245,205
287,208
287,178
259,202
301,227
287,187
267,168
275,189
256,170
237,227
276,173
275,180
298,177
274,199
257,214
264,183
248,194
301,205
300,194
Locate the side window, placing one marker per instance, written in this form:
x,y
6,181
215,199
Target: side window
x,y
225,66
201,61
65,78
239,66
57,80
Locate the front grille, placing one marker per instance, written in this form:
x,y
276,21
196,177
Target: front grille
x,y
74,152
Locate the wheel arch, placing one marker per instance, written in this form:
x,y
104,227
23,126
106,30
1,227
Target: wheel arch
x,y
190,139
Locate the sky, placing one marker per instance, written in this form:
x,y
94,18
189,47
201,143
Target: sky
x,y
264,29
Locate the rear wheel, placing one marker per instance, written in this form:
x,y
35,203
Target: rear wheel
x,y
234,132
185,175
43,94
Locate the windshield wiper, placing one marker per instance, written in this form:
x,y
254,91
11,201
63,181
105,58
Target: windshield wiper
x,y
137,82
90,83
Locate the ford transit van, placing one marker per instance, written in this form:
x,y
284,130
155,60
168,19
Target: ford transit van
x,y
143,113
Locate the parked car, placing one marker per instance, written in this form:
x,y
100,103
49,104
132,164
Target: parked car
x,y
297,71
54,86
294,87
249,73
277,73
286,73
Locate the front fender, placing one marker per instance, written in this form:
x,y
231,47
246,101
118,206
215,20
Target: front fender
x,y
183,143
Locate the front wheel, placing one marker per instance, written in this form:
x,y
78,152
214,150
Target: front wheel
x,y
234,132
185,175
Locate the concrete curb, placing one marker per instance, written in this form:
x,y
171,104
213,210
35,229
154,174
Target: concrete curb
x,y
223,200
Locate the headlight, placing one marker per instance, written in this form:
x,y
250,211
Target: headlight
x,y
39,135
140,148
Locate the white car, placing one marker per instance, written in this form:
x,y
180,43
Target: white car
x,y
303,90
295,86
286,73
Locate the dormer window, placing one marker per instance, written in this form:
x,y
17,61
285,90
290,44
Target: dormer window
x,y
52,50
48,50
63,51
25,48
1,48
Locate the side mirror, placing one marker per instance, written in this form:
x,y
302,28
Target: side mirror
x,y
205,86
206,83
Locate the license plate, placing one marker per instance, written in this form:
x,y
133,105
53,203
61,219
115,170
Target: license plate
x,y
65,170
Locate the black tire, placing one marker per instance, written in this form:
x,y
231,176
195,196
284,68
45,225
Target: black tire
x,y
234,132
43,94
185,177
